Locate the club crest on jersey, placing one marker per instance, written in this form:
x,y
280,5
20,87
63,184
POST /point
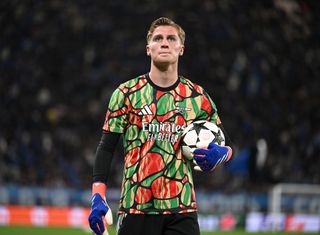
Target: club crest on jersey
x,y
145,111
182,110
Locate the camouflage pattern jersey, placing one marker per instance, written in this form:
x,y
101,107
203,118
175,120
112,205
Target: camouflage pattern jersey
x,y
157,179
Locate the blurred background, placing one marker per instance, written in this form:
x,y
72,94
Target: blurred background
x,y
61,60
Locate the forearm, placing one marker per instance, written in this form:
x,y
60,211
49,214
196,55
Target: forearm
x,y
100,210
104,156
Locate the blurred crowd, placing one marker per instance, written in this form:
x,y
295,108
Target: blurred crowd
x,y
61,60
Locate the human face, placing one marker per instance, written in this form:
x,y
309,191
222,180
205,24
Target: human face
x,y
165,46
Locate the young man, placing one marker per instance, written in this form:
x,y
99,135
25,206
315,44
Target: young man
x,y
151,112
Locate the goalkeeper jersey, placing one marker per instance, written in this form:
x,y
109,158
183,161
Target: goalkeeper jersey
x,y
156,178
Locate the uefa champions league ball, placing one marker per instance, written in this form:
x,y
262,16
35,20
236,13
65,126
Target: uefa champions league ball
x,y
202,132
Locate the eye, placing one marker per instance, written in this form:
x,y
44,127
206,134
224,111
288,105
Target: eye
x,y
157,38
172,39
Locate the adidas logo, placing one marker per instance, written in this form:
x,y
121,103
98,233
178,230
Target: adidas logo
x,y
145,111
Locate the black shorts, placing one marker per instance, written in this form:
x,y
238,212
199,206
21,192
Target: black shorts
x,y
170,224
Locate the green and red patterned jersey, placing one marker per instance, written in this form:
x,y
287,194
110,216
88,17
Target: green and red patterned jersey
x,y
157,179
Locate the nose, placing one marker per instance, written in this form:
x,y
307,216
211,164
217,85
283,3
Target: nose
x,y
165,43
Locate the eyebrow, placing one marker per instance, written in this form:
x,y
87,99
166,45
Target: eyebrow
x,y
169,35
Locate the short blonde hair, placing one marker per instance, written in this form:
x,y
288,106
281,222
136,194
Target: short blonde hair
x,y
166,21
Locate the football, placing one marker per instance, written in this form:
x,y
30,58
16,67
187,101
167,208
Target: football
x,y
203,132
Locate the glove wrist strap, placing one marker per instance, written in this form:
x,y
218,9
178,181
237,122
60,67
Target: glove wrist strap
x,y
100,188
229,153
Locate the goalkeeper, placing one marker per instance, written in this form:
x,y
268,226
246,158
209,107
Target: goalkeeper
x,y
151,111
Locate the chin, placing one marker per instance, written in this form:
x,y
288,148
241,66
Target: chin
x,y
164,60
162,63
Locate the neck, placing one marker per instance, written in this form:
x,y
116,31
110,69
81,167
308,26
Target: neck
x,y
163,76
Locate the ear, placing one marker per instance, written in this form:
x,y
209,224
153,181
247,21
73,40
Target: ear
x,y
181,50
148,50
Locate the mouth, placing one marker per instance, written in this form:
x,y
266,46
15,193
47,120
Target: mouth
x,y
164,53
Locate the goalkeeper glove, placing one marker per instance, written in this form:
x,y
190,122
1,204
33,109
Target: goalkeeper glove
x,y
100,215
208,159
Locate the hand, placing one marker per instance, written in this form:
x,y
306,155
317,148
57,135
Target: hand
x,y
99,211
208,159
